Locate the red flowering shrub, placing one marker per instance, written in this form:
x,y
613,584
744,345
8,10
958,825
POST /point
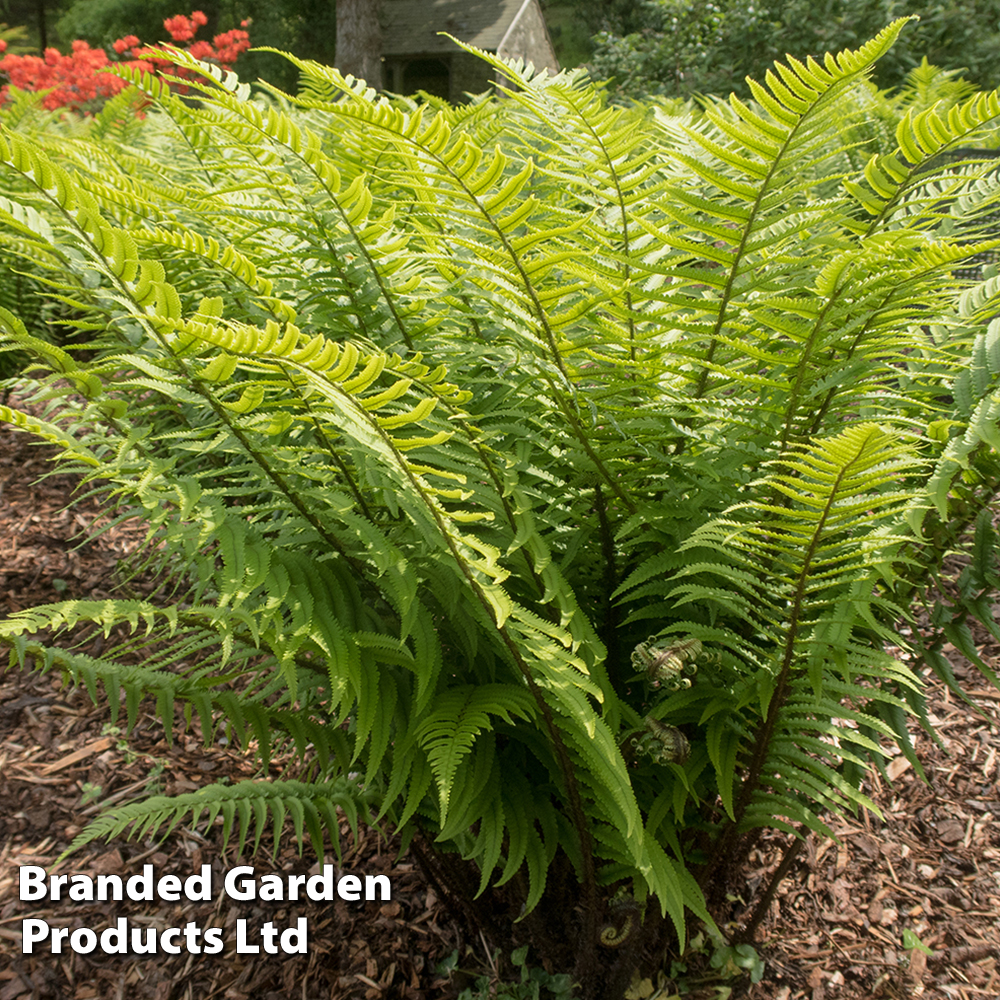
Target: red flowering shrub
x,y
181,28
128,42
230,44
78,80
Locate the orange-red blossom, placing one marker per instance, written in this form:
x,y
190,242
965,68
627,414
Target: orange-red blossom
x,y
78,79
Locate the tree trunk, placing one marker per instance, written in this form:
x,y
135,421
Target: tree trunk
x,y
43,33
359,40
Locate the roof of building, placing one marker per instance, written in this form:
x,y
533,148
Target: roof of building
x,y
411,26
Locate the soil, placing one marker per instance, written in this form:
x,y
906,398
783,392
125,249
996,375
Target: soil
x,y
854,919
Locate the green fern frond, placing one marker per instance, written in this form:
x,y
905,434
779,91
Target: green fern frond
x,y
433,416
244,807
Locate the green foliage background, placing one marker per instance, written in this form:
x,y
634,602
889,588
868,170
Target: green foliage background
x,y
679,47
556,478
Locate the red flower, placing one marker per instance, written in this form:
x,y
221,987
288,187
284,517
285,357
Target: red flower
x,y
179,28
201,50
76,80
230,44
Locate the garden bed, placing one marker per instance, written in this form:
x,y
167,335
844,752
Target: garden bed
x,y
836,930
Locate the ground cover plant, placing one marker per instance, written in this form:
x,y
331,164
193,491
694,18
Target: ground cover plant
x,y
560,479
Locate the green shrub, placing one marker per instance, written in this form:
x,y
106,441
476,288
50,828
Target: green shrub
x,y
556,478
683,47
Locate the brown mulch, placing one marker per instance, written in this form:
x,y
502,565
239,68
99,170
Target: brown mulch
x,y
930,866
61,760
837,928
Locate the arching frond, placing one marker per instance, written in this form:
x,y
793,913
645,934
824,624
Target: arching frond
x,y
553,477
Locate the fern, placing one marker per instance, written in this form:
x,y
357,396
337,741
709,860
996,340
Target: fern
x,y
564,473
244,808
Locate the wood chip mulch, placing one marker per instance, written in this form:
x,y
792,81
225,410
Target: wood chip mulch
x,y
930,867
842,926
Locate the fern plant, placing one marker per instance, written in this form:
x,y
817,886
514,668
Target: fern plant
x,y
554,477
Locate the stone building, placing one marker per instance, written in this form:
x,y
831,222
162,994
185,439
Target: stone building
x,y
415,57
